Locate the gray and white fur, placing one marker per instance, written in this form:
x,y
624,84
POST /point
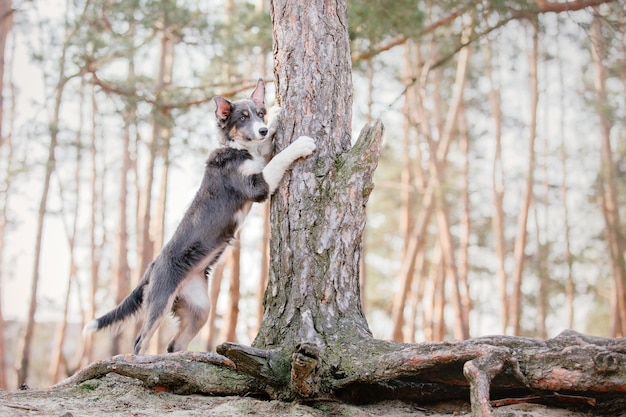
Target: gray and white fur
x,y
236,174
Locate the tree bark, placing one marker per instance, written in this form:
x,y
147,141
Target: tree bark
x,y
314,269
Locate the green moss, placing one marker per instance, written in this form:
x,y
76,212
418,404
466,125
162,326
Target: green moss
x,y
90,385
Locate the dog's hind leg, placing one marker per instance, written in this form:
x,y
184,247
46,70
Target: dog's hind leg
x,y
158,303
192,308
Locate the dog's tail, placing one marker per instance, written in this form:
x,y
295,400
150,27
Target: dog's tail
x,y
124,311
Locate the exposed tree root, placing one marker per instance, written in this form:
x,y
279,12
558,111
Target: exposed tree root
x,y
181,373
569,369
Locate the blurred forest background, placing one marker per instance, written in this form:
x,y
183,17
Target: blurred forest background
x,y
499,199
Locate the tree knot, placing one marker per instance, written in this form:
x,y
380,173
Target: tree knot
x,y
305,380
606,362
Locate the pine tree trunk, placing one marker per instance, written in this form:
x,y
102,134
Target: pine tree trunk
x,y
497,181
519,252
570,289
6,22
400,297
94,258
608,193
56,358
315,248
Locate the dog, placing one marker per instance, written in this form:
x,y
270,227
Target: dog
x,y
238,173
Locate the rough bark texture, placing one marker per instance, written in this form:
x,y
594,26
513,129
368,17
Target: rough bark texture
x,y
314,270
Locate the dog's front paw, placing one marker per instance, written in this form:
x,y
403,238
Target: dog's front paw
x,y
273,114
303,146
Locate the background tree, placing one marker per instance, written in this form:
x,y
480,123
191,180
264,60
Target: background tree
x,y
6,22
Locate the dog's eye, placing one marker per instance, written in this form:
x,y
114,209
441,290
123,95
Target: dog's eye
x,y
261,114
244,117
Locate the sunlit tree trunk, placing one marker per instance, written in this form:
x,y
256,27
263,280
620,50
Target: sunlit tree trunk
x,y
542,290
94,256
431,294
519,252
608,192
400,297
416,299
121,269
6,22
570,289
497,181
461,328
56,358
464,237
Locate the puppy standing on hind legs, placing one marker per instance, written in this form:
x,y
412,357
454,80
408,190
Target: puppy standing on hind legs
x,y
236,175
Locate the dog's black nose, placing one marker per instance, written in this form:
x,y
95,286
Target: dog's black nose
x,y
263,131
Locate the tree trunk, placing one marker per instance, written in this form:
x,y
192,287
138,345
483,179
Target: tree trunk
x,y
519,252
465,222
121,268
570,289
94,257
315,248
56,358
497,181
6,21
608,192
400,297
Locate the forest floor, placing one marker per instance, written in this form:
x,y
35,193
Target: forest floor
x,y
116,396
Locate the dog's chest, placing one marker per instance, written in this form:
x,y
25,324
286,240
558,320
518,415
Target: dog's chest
x,y
252,166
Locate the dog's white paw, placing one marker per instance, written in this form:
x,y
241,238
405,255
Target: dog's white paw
x,y
303,146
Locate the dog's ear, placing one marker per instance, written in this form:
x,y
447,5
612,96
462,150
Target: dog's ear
x,y
258,95
224,107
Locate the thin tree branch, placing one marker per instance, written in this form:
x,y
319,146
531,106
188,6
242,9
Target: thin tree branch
x,y
546,6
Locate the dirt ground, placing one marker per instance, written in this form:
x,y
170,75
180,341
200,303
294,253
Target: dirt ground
x,y
116,396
